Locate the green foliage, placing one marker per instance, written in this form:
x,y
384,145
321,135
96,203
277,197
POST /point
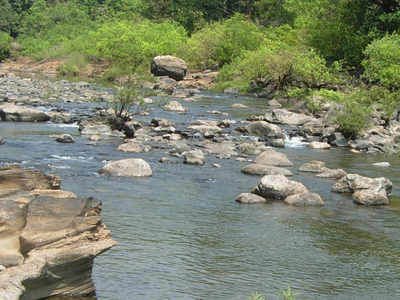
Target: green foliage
x,y
279,65
47,29
219,43
8,17
256,296
382,61
288,295
5,42
73,65
353,118
133,44
126,98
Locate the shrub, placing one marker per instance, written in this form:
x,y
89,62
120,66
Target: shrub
x,y
382,61
278,65
353,118
5,42
73,65
221,42
126,98
133,44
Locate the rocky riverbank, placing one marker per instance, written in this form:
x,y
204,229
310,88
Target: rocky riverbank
x,y
48,237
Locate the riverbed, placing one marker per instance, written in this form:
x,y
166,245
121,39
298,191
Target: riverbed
x,y
181,235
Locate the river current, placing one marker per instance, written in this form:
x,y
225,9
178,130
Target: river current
x,y
181,235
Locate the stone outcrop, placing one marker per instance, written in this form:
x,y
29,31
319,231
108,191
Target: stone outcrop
x,y
17,113
48,237
366,191
131,167
271,157
264,130
278,187
171,66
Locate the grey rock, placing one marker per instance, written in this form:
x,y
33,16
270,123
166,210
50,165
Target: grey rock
x,y
131,167
194,157
257,169
313,166
264,130
271,157
332,173
249,198
278,187
304,199
65,138
168,65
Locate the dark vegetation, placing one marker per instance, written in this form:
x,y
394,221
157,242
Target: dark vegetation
x,y
342,50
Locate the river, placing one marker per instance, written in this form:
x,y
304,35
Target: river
x,y
181,235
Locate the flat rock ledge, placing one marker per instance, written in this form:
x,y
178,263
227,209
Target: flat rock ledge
x,y
49,237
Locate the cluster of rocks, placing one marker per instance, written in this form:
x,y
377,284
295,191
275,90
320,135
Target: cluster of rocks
x,y
41,92
48,237
274,185
322,130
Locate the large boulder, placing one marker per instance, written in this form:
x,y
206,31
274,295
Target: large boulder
x,y
131,167
170,66
283,116
271,157
278,187
366,191
16,113
258,169
264,130
332,173
48,237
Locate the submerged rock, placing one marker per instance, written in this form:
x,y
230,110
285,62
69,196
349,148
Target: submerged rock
x,y
332,173
131,167
250,198
314,166
134,147
304,199
49,238
258,169
65,138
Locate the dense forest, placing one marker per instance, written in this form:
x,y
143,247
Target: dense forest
x,y
342,50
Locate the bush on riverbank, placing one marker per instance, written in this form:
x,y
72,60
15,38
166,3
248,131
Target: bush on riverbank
x,y
5,44
277,66
382,63
221,42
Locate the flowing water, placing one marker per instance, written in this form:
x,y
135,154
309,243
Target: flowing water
x,y
181,235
